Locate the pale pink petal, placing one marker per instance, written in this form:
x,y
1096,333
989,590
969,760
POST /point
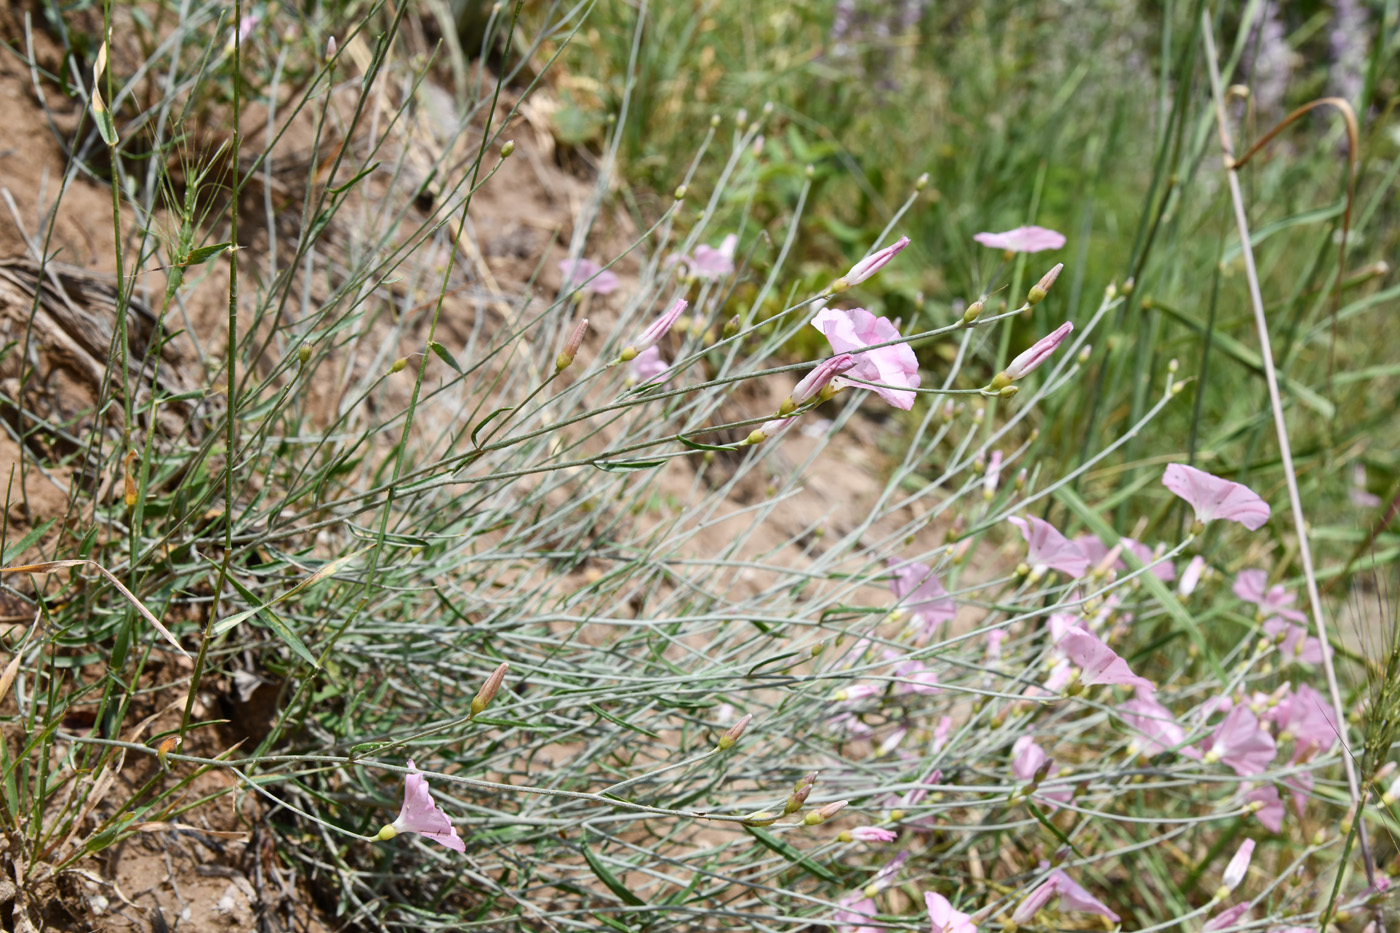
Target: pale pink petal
x,y
1240,743
943,918
872,834
1227,918
1075,897
588,275
648,366
1023,239
894,369
1099,663
1270,814
1049,548
1239,864
920,593
1213,497
874,262
1191,576
419,814
1154,721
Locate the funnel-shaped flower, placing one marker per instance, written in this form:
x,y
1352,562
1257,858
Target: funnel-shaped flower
x,y
1241,743
588,275
1072,897
1049,548
420,815
1294,643
1270,812
648,366
1023,239
1252,586
1156,723
894,369
944,918
1099,663
1239,864
872,264
1307,718
1213,497
921,594
710,263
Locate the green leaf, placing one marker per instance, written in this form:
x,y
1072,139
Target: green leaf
x,y
792,854
610,881
1055,830
196,257
351,182
696,445
487,420
626,466
13,551
510,724
441,353
619,721
274,622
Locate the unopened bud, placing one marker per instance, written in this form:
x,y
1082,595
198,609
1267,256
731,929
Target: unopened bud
x,y
1042,288
974,311
714,120
330,48
566,356
921,182
680,193
487,693
807,780
761,818
507,148
1083,356
825,813
727,740
797,799
731,326
304,352
1008,391
399,364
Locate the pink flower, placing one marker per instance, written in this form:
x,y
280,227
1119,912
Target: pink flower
x,y
1300,788
1270,812
1072,897
1097,551
1307,718
940,733
1249,586
919,591
1295,644
647,366
872,834
851,913
1023,240
893,368
590,276
1227,918
1030,359
1029,760
944,918
1156,723
1049,548
246,26
710,263
1100,664
994,639
1191,576
420,815
655,330
1213,497
917,677
1240,743
872,264
1239,864
816,380
1358,494
993,475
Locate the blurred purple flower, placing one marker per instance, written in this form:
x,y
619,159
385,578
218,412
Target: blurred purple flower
x,y
1240,743
1213,497
919,592
588,275
1099,663
1023,239
894,367
1050,549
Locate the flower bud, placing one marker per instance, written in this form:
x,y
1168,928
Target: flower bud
x,y
487,693
330,48
825,813
1031,358
973,312
1042,288
566,356
797,799
679,193
873,263
727,740
507,148
921,182
386,833
304,353
815,381
761,818
399,364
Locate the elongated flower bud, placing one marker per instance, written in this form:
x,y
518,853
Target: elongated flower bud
x,y
566,356
815,381
798,798
1030,359
487,693
974,311
825,813
727,740
330,48
1235,871
869,265
1042,288
655,330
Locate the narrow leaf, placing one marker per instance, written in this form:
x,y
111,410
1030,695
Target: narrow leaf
x,y
610,881
441,353
197,257
792,854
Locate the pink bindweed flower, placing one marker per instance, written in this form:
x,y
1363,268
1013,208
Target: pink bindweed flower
x,y
894,368
994,639
589,276
944,918
1294,643
918,677
246,26
816,380
872,834
919,592
1030,359
1275,601
1239,864
1023,239
1049,548
1309,720
1154,721
1097,552
869,265
1270,810
1240,743
710,263
1213,497
654,331
1098,663
992,477
1191,576
1030,763
851,913
1226,919
648,367
940,733
1072,897
420,815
